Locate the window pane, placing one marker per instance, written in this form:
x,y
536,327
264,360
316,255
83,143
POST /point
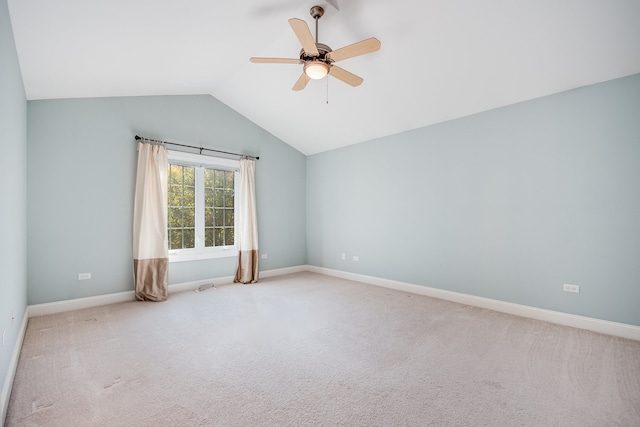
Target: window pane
x,y
219,198
189,196
189,176
218,181
208,217
208,197
175,195
228,236
175,241
219,234
228,178
208,237
208,177
175,217
219,217
189,215
189,238
175,174
228,217
228,198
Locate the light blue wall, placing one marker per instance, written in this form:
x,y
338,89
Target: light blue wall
x,y
13,198
82,160
508,204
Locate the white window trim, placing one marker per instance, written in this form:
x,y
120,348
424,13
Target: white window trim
x,y
198,160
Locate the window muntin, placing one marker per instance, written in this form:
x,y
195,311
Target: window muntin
x,y
219,207
182,207
202,198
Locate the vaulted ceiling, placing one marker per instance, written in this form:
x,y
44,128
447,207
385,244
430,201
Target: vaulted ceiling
x,y
439,60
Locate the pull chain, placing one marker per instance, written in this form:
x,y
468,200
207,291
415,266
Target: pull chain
x,y
327,90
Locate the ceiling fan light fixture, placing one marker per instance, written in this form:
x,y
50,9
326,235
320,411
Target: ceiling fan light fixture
x,y
316,69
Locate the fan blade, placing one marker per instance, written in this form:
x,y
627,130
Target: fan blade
x,y
274,60
303,33
302,82
356,49
345,76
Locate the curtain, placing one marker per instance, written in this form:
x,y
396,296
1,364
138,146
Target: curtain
x,y
247,232
150,242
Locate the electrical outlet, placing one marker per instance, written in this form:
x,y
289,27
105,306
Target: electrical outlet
x,y
571,288
264,256
84,276
344,256
356,258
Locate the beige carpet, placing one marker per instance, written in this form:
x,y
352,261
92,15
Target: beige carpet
x,y
306,350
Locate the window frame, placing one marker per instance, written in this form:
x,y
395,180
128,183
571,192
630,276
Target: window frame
x,y
200,161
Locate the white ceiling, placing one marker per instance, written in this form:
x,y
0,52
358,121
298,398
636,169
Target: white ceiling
x,y
439,60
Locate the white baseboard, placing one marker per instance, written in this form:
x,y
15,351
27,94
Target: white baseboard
x,y
96,301
79,303
581,322
284,271
13,366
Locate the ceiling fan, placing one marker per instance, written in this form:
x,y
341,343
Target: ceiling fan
x,y
318,58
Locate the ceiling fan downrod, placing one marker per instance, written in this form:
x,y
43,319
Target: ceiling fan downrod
x,y
316,12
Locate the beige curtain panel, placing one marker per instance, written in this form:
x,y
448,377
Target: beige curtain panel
x,y
247,232
150,242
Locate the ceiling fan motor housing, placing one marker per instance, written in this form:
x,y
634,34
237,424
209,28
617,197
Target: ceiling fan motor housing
x,y
323,50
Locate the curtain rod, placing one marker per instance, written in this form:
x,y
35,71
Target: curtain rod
x,y
140,138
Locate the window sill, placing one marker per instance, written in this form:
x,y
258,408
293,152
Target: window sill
x,y
195,255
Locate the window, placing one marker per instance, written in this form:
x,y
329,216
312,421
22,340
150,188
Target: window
x,y
201,206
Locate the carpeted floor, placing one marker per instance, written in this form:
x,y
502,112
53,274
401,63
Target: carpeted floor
x,y
311,350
